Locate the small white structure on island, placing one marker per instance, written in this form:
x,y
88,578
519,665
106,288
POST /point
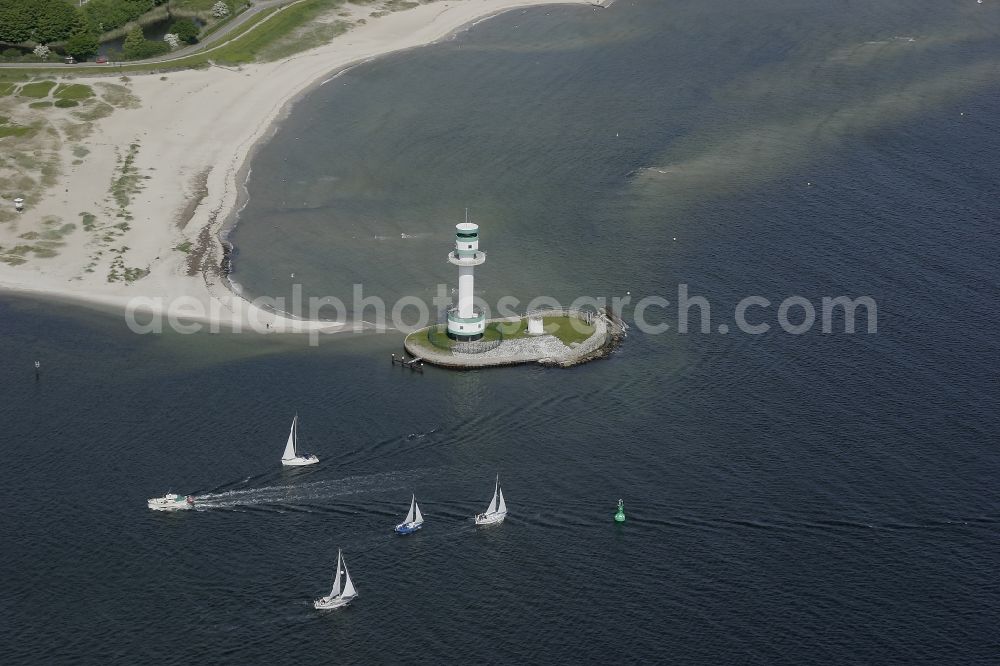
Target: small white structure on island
x,y
535,325
464,321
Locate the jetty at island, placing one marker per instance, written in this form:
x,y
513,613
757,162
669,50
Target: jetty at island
x,y
556,337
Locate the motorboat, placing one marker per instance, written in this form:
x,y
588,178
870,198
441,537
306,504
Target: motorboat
x,y
171,502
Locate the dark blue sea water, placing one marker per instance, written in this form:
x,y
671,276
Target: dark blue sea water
x,y
800,499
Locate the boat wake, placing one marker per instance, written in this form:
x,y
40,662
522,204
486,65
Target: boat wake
x,y
304,494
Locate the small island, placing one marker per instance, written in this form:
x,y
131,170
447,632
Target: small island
x,y
556,337
569,337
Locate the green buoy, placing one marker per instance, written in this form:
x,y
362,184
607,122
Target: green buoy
x,y
620,516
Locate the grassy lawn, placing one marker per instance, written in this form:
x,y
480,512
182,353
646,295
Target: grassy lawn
x,y
14,130
567,329
7,88
420,339
437,339
74,91
38,89
512,330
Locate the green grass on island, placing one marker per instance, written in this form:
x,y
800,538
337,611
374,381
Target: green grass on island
x,y
568,330
435,339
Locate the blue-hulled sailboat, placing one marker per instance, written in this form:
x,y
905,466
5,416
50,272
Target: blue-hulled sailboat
x,y
414,521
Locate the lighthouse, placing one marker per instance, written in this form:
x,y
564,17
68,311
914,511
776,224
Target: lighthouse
x,y
464,321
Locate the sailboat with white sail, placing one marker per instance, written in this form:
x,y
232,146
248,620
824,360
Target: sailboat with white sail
x,y
414,521
339,596
291,457
497,509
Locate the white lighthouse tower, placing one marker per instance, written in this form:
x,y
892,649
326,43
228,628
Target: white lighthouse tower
x,y
464,321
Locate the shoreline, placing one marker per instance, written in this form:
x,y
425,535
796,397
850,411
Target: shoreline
x,y
222,115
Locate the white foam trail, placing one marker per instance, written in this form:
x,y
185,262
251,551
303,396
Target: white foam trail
x,y
300,493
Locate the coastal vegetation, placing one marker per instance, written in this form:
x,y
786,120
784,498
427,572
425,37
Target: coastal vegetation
x,y
40,21
41,244
137,47
38,119
119,272
73,91
436,337
186,31
11,129
31,29
126,181
36,89
82,45
271,34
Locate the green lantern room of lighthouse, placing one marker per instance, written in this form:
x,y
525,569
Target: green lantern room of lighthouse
x,y
465,321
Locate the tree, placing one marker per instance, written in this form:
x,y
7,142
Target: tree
x,y
172,40
105,15
42,51
220,10
54,20
132,47
186,30
17,22
42,21
82,45
136,46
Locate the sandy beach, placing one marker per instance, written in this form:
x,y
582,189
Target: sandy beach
x,y
185,141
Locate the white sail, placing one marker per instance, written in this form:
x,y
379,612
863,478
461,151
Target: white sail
x,y
336,581
349,590
418,518
409,515
290,446
502,506
493,503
